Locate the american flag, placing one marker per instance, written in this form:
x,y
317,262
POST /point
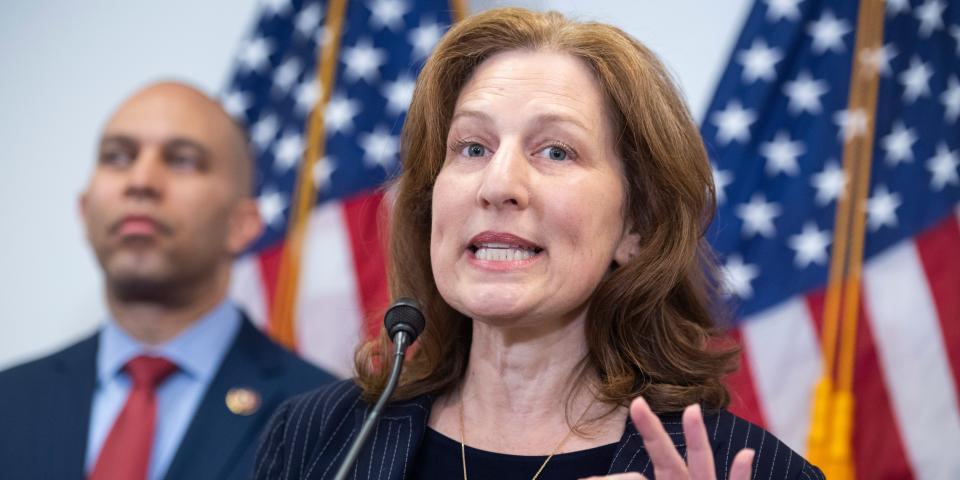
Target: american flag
x,y
341,287
776,131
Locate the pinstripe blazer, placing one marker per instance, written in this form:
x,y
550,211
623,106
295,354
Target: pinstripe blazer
x,y
310,434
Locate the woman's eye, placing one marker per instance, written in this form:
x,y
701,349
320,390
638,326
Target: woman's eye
x,y
474,150
555,153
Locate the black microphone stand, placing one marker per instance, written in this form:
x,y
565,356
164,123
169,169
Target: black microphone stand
x,y
403,335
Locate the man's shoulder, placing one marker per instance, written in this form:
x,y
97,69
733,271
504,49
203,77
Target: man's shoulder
x,y
291,369
37,373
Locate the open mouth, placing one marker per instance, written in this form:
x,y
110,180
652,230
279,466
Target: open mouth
x,y
503,252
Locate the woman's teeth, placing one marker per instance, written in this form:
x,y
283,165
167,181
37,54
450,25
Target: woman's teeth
x,y
503,253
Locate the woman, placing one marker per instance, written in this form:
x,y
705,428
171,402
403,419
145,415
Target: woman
x,y
549,218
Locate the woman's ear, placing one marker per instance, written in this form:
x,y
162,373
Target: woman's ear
x,y
628,247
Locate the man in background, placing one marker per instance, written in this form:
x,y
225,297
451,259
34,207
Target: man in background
x,y
178,383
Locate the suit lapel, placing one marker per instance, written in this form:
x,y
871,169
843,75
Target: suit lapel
x,y
631,456
213,443
68,419
394,441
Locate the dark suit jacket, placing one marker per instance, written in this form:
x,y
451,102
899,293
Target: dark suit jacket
x,y
310,434
45,411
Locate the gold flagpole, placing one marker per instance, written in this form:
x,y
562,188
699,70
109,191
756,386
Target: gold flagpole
x,y
283,312
831,429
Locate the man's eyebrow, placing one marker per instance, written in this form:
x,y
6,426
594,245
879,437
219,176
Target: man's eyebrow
x,y
125,140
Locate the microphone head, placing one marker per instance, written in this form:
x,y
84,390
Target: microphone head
x,y
404,315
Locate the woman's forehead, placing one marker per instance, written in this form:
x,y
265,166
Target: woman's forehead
x,y
547,85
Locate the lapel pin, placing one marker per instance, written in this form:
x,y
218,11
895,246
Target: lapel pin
x,y
243,401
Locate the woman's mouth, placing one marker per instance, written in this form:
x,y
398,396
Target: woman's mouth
x,y
503,252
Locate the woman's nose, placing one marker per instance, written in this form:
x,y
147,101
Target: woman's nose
x,y
505,182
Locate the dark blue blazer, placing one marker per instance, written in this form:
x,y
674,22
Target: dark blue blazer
x,y
310,434
45,411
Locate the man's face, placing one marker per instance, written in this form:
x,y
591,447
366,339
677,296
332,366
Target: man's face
x,y
166,206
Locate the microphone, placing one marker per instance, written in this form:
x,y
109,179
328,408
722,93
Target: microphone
x,y
404,322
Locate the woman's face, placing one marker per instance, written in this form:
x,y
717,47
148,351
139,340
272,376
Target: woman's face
x,y
528,207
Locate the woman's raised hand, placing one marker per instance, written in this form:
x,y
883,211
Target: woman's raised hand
x,y
666,460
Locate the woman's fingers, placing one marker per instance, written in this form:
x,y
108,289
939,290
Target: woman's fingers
x,y
667,462
742,463
699,453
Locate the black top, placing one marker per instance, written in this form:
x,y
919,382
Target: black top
x,y
439,457
309,435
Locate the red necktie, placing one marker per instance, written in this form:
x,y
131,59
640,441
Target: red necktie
x,y
126,452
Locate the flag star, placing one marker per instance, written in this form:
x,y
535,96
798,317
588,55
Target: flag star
x,y
852,123
275,7
306,95
805,93
878,59
379,148
308,20
895,7
828,32
338,116
388,13
779,9
757,216
943,168
323,172
830,183
733,123
424,37
899,144
882,208
781,154
758,61
288,151
363,60
930,15
236,103
916,80
264,131
955,33
399,94
721,179
286,74
322,36
810,246
255,53
738,276
271,205
951,100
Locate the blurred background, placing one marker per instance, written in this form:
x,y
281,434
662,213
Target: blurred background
x,y
66,65
769,81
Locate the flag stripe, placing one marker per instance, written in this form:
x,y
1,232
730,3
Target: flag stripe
x,y
780,340
915,366
877,447
247,289
745,400
367,240
328,310
939,251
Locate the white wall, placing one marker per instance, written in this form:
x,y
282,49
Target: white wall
x,y
66,64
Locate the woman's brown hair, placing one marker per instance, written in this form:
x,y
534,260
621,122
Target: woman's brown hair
x,y
648,324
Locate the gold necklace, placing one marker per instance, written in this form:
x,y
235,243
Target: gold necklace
x,y
463,448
